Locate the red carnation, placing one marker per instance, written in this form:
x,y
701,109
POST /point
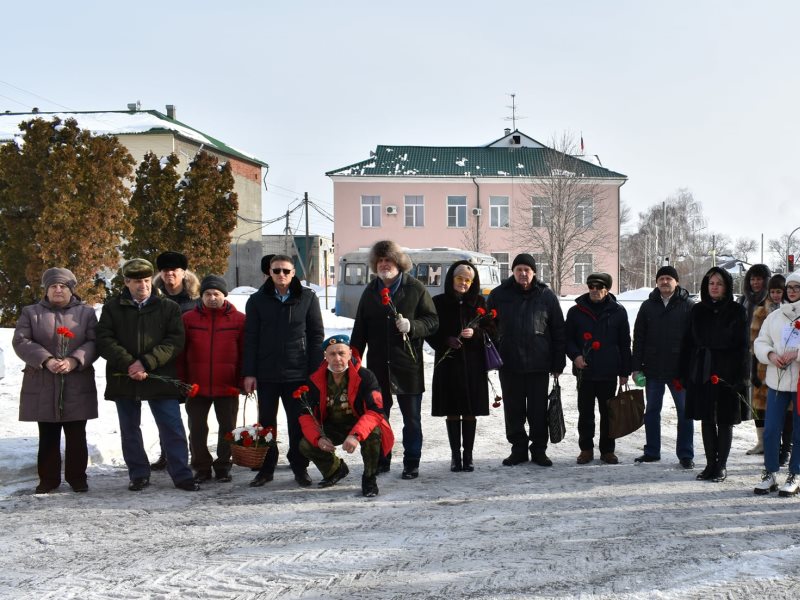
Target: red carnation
x,y
677,385
595,345
229,437
385,292
493,314
480,311
246,441
304,388
69,334
385,300
797,324
193,390
714,379
61,330
297,394
245,434
587,336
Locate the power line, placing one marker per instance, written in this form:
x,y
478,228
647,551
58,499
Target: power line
x,y
35,95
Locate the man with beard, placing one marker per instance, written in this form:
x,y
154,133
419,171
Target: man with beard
x,y
394,342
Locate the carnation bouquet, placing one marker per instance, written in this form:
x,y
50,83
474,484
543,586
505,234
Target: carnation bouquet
x,y
250,443
480,315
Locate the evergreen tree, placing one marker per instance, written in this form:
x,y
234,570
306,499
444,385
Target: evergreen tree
x,y
208,214
157,200
63,202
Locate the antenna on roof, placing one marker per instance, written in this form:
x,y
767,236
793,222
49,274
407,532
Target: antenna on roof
x,y
513,106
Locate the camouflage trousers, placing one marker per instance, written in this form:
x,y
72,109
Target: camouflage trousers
x,y
328,462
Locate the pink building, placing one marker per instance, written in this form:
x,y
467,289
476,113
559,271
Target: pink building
x,y
513,195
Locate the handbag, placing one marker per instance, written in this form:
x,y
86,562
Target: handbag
x,y
493,360
555,414
625,412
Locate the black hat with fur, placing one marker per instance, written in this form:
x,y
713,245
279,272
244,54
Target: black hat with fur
x,y
390,250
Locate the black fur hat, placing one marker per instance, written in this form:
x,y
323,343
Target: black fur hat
x,y
389,249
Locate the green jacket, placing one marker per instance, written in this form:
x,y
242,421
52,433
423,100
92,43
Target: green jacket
x,y
152,334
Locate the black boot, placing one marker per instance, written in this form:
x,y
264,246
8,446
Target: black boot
x,y
160,464
454,436
468,427
724,442
710,442
369,487
786,440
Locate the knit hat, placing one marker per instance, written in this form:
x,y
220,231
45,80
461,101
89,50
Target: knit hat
x,y
171,260
794,277
265,260
524,259
137,268
214,282
57,275
336,339
603,279
776,282
669,271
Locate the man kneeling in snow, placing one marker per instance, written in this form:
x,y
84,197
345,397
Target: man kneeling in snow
x,y
351,414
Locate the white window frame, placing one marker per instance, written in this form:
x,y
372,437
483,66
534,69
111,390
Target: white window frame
x,y
457,212
499,218
584,213
414,211
541,212
373,205
503,265
544,270
583,267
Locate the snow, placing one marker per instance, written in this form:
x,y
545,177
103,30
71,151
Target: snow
x,y
594,531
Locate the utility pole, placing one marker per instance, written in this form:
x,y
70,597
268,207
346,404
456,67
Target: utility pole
x,y
308,243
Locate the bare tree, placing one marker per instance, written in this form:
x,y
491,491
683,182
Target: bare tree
x,y
562,214
780,249
744,247
471,236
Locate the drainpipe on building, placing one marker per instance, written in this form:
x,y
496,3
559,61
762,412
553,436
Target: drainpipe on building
x,y
478,223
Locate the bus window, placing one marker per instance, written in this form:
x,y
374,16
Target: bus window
x,y
355,274
429,274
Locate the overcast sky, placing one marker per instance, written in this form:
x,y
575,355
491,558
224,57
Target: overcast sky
x,y
702,95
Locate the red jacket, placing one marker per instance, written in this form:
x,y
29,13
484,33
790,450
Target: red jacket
x,y
364,396
212,356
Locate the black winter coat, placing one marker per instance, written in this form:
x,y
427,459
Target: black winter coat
x,y
717,345
531,332
658,335
609,326
374,330
152,334
282,340
460,384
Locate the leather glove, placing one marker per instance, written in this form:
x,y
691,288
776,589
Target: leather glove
x,y
453,342
403,325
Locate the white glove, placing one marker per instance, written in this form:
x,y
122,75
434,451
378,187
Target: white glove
x,y
403,325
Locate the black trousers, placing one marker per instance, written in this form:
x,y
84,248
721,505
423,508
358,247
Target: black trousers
x,y
268,395
590,391
76,454
525,399
197,410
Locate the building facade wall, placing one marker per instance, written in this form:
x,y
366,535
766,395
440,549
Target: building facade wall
x,y
478,233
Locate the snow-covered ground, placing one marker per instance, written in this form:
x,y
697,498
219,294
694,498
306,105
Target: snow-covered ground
x,y
594,531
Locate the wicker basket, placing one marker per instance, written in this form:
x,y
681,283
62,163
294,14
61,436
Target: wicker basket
x,y
249,457
252,458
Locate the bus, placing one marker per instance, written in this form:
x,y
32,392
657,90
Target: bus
x,y
429,265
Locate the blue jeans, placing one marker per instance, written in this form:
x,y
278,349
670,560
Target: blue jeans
x,y
652,420
167,414
777,403
411,409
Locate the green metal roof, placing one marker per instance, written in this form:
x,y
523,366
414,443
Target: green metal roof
x,y
481,161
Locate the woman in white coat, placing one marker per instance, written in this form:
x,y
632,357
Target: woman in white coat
x,y
777,347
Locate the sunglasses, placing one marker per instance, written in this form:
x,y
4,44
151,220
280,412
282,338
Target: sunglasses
x,y
596,286
279,271
463,279
793,288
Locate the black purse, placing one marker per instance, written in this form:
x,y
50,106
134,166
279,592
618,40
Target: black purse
x,y
555,414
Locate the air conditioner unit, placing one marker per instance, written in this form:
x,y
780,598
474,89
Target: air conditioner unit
x,y
391,210
476,212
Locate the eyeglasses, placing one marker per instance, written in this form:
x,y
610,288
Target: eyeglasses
x,y
793,288
460,279
595,286
279,271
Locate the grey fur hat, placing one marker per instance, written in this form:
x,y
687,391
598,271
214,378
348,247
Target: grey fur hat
x,y
389,249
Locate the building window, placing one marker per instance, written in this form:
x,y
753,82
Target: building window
x,y
502,259
456,211
584,212
499,214
429,274
355,274
540,211
370,211
583,267
415,211
544,271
